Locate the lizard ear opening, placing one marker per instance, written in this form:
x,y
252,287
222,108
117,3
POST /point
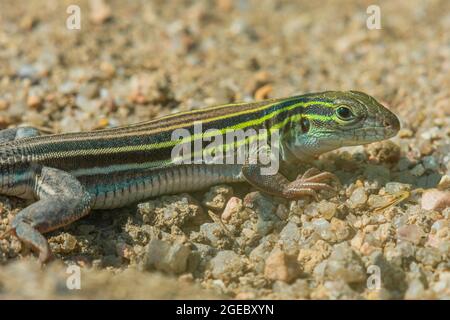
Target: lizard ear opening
x,y
304,125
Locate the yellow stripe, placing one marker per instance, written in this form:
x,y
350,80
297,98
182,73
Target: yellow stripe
x,y
171,143
225,148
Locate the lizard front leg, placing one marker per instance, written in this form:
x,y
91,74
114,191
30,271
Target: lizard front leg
x,y
305,185
62,200
18,133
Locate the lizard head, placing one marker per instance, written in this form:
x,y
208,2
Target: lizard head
x,y
335,119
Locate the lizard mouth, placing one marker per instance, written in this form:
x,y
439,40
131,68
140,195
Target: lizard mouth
x,y
368,135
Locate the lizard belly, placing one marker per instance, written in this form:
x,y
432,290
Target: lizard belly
x,y
125,188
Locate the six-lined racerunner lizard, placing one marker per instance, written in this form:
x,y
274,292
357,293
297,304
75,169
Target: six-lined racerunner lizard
x,y
70,174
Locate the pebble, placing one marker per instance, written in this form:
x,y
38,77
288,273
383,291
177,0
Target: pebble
x,y
434,199
411,233
100,11
216,198
377,201
418,170
299,289
343,264
167,257
168,211
280,266
262,205
429,256
226,265
395,187
444,183
384,151
212,232
323,228
290,237
333,290
264,227
68,87
34,101
327,209
415,291
358,198
63,243
4,104
430,163
233,206
28,71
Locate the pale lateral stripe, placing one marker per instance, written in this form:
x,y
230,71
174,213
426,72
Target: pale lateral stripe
x,y
170,143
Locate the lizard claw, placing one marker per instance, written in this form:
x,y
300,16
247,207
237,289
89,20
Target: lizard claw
x,y
309,183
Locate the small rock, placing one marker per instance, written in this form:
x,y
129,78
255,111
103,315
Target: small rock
x,y
444,183
395,187
411,233
312,210
280,266
262,205
89,90
358,198
226,265
335,289
418,170
63,243
167,257
169,211
34,101
108,69
327,209
290,236
263,227
282,212
216,198
405,133
309,258
100,11
28,71
4,104
430,163
434,199
68,87
263,92
211,231
429,256
344,264
416,290
323,228
233,206
299,289
377,201
245,296
385,151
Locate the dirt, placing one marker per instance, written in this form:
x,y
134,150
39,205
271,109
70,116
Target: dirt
x,y
140,60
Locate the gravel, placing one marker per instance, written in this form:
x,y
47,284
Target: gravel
x,y
140,61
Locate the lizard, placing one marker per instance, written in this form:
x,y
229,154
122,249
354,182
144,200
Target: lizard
x,y
70,174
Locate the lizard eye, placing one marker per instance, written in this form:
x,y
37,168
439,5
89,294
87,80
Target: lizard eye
x,y
304,125
344,113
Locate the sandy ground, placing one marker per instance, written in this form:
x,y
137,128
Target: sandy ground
x,y
140,60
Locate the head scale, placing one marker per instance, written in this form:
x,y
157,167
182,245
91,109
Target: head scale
x,y
338,119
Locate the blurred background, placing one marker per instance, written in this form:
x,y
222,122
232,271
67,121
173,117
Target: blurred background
x,y
136,60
